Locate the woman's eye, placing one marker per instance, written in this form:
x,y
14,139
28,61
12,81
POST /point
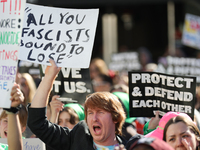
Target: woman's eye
x,y
184,136
172,139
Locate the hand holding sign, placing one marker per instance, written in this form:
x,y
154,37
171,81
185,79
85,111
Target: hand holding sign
x,y
56,107
52,71
17,96
153,123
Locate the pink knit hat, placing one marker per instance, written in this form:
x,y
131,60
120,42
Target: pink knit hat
x,y
158,132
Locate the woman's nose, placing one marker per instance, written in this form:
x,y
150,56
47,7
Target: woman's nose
x,y
179,142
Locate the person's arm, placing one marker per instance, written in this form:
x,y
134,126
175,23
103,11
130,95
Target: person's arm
x,y
51,134
14,129
41,96
14,132
154,122
56,107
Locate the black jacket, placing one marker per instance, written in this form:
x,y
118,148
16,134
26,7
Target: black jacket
x,y
58,137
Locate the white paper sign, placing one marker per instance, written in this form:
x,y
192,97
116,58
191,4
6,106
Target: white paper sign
x,y
29,143
191,31
65,35
11,15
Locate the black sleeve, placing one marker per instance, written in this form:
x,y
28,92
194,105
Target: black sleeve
x,y
51,134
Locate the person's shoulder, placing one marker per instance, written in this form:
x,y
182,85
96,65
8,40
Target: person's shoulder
x,y
133,139
81,125
81,128
82,122
121,140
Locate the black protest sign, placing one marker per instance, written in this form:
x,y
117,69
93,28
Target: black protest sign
x,y
150,91
72,83
28,67
65,35
180,66
125,61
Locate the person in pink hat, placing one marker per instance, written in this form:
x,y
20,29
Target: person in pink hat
x,y
182,134
158,132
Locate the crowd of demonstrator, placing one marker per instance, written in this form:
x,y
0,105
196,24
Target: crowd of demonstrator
x,y
102,123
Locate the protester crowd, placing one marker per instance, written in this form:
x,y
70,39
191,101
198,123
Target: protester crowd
x,y
102,123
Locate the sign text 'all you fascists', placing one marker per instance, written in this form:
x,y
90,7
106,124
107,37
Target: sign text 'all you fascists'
x,y
65,35
150,91
11,16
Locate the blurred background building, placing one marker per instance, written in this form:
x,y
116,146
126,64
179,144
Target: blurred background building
x,y
128,25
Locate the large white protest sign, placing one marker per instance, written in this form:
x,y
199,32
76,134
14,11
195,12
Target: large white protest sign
x,y
65,35
29,143
191,31
152,91
11,16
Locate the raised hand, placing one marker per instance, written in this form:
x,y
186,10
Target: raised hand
x,y
154,121
17,96
53,70
56,107
186,144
